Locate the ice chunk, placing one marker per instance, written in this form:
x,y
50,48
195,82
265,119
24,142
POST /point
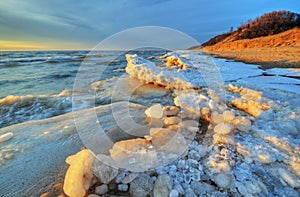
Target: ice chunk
x,y
79,175
135,154
228,116
250,100
102,189
171,111
223,128
163,185
174,59
6,137
155,111
172,120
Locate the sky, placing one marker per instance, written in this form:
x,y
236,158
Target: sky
x,y
71,24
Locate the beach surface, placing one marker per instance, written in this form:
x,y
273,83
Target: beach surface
x,y
281,50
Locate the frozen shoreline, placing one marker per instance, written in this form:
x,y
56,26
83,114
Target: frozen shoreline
x,y
270,146
251,145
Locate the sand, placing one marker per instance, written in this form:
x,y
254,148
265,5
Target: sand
x,y
281,50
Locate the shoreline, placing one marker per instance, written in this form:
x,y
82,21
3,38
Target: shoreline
x,y
265,57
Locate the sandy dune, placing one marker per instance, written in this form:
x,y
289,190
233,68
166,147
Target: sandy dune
x,y
281,50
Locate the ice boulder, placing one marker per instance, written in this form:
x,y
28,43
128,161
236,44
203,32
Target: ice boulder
x,y
155,111
79,175
135,154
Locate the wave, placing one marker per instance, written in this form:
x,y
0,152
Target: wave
x,y
55,59
64,59
11,64
16,109
58,76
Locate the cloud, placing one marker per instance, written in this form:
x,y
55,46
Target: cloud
x,y
88,22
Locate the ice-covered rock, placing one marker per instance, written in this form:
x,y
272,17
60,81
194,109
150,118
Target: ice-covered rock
x,y
123,187
217,165
172,120
168,141
135,154
173,127
221,139
162,186
228,116
93,195
104,172
155,111
79,175
174,193
141,186
217,118
102,189
223,128
129,177
188,123
190,193
171,111
224,180
6,137
201,187
242,124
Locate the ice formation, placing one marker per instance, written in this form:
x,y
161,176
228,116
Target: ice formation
x,y
250,101
79,175
155,111
243,144
175,59
145,153
148,72
6,137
